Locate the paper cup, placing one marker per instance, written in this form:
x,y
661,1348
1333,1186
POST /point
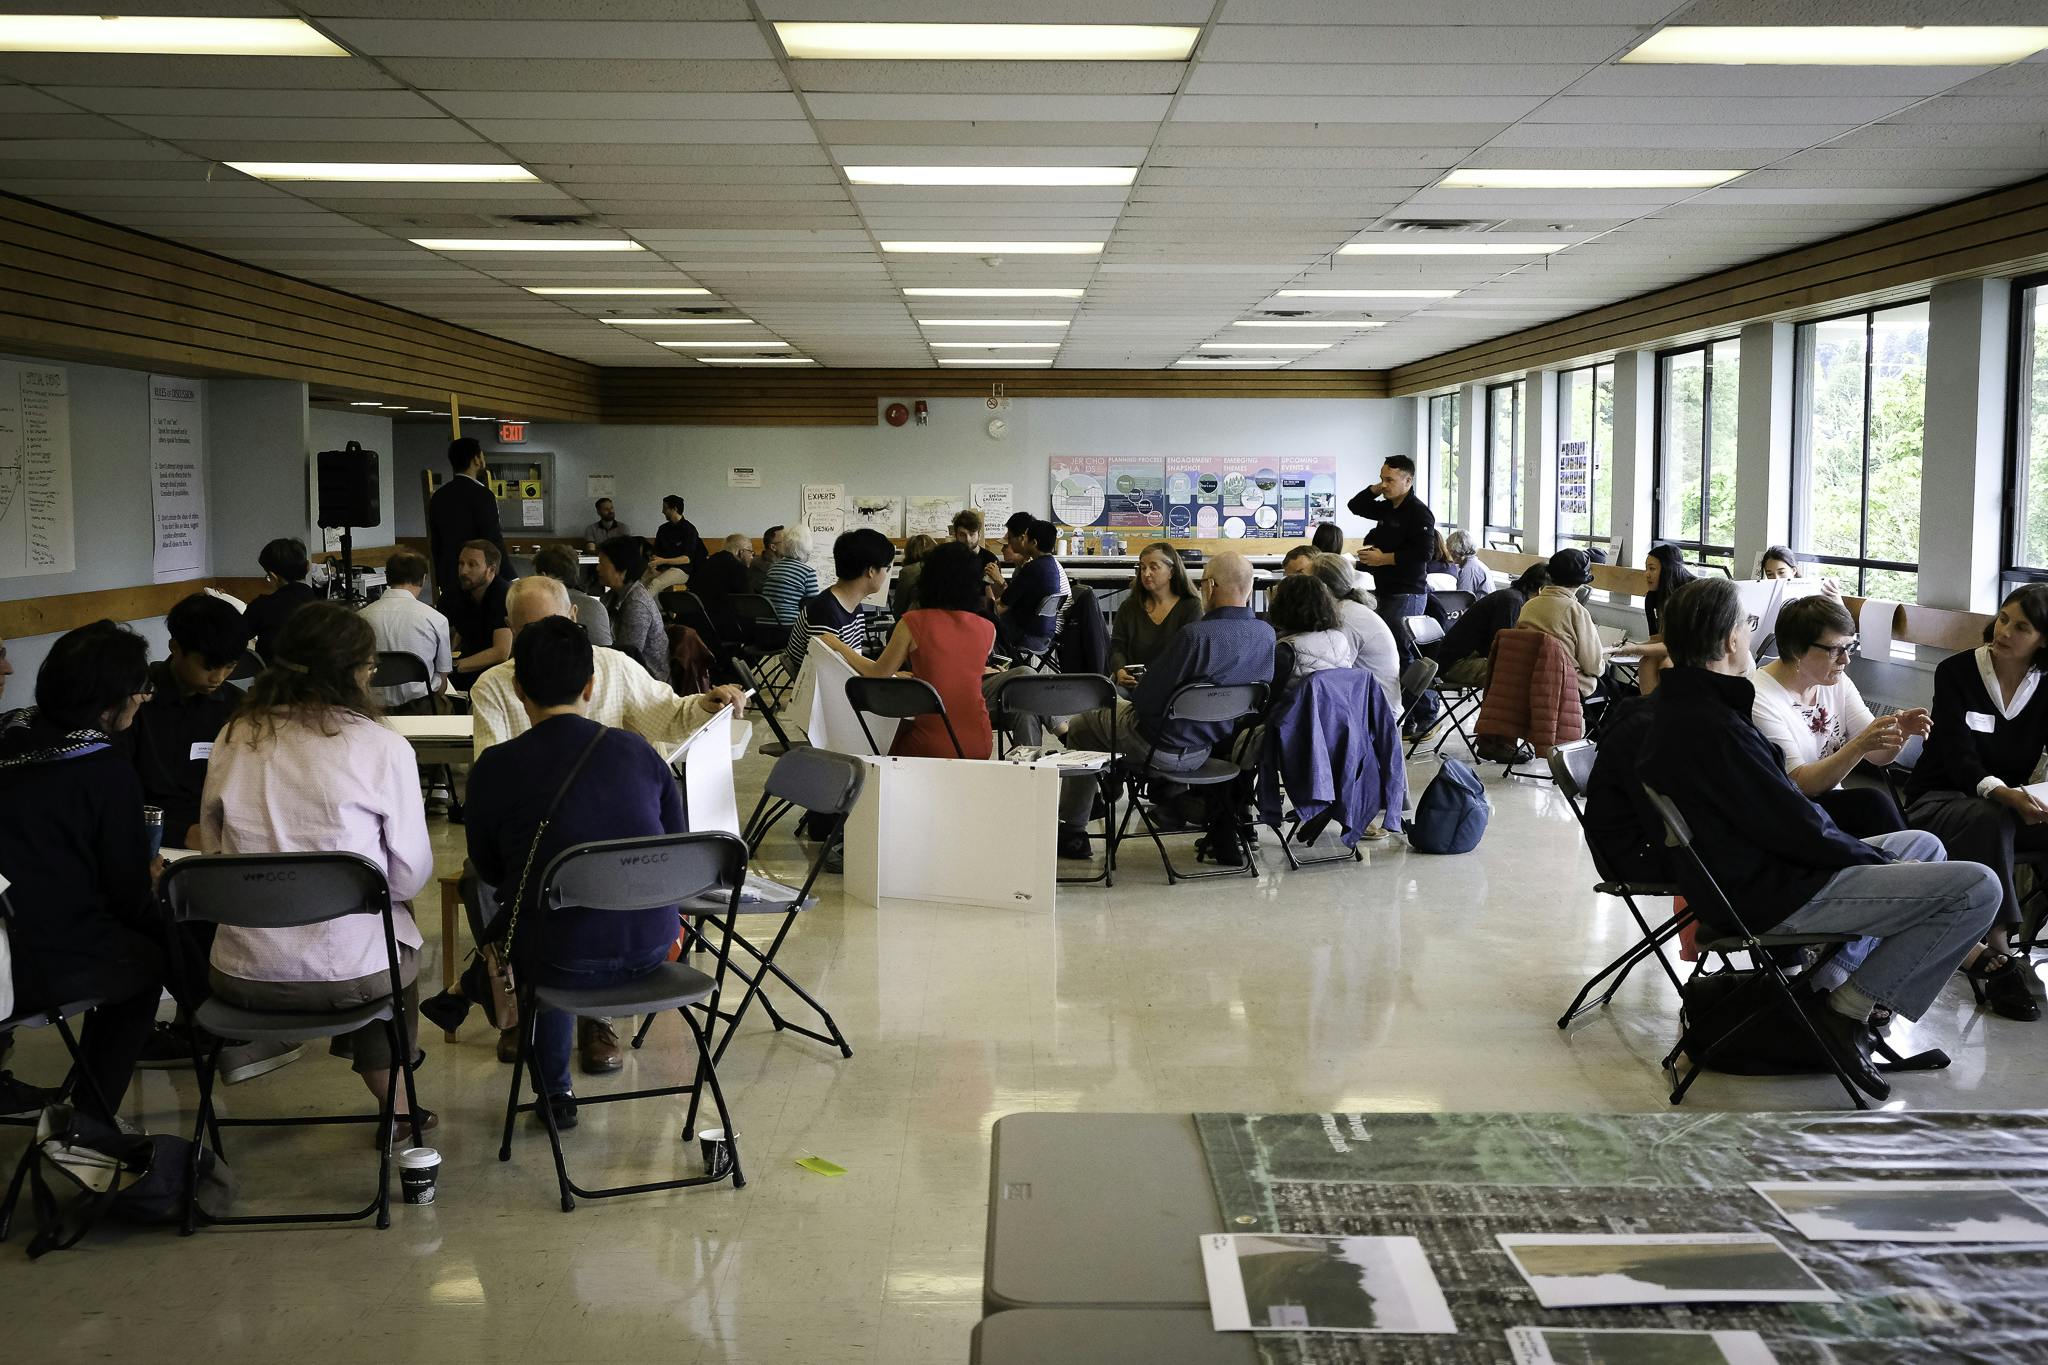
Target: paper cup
x,y
418,1168
717,1149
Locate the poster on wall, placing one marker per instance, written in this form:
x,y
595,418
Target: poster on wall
x,y
1108,491
930,514
877,511
177,478
996,501
1248,496
1076,483
824,515
1308,493
37,534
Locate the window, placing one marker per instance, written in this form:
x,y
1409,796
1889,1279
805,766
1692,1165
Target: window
x,y
1504,464
2026,496
1694,507
1861,399
1585,456
1440,489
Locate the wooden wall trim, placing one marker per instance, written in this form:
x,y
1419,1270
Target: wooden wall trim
x,y
2005,232
26,616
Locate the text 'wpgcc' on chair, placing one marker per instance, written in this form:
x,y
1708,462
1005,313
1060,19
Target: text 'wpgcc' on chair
x,y
289,891
1047,696
1201,703
624,875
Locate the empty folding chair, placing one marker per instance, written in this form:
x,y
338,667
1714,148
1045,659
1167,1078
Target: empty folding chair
x,y
628,875
1045,696
290,891
1208,703
1572,766
897,699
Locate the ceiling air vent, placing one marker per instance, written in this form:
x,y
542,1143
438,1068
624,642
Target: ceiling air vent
x,y
1425,225
548,219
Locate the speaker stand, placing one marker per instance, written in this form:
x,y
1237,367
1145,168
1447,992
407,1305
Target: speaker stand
x,y
348,567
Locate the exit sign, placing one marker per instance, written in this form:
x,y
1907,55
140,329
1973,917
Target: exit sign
x,y
511,433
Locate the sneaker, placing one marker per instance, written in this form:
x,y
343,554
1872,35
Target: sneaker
x,y
564,1109
1074,843
19,1097
168,1048
246,1061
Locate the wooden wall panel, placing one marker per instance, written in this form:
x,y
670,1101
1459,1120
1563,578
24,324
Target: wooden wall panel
x,y
28,616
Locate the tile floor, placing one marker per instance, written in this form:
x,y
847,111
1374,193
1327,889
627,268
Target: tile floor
x,y
1407,983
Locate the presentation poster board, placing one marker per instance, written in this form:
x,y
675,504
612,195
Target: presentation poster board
x,y
930,514
877,511
177,478
996,502
37,514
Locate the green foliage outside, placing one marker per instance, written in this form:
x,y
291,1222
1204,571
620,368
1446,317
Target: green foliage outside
x,y
2034,432
1830,515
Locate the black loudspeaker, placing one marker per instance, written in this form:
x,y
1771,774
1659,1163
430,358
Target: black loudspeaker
x,y
348,487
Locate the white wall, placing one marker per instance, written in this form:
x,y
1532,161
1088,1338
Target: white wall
x,y
328,429
947,455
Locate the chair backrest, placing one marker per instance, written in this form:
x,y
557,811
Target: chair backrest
x,y
643,873
818,780
751,606
1454,601
273,890
1054,694
1416,679
1571,765
1702,887
899,699
395,667
1212,703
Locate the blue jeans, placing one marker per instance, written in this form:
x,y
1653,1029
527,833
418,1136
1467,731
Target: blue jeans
x,y
554,1031
1395,609
1924,914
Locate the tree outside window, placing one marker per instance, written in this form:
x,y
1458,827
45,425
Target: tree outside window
x,y
2030,428
1504,462
1698,391
1443,462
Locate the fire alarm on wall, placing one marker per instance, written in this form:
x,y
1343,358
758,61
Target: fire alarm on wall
x,y
896,414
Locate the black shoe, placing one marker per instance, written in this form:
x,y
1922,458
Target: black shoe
x,y
1221,852
564,1109
19,1097
1849,1040
168,1047
445,1011
1074,843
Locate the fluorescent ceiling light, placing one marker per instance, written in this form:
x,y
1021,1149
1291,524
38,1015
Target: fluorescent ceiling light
x,y
991,175
1007,364
580,291
1351,324
1232,364
1264,346
993,293
993,345
677,322
755,360
419,172
182,36
1450,248
1367,294
1846,45
392,407
990,322
997,248
373,403
990,42
1584,180
728,345
526,244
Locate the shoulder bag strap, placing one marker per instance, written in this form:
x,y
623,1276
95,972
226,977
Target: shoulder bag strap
x,y
533,849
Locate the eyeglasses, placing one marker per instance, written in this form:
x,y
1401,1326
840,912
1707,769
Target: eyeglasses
x,y
1844,651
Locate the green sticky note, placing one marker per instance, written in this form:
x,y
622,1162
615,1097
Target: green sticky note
x,y
817,1165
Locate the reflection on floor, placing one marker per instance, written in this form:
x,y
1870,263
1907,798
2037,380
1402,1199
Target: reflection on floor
x,y
1408,983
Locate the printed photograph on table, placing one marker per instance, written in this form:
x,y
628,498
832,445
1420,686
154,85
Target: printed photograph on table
x,y
1281,1282
1906,1210
1594,1270
1625,1346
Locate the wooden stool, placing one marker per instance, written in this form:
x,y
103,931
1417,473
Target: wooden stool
x,y
451,926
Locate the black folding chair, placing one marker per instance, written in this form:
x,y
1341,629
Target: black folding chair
x,y
1453,602
1203,703
1044,696
756,618
1572,766
1416,681
395,668
751,682
897,699
290,891
646,873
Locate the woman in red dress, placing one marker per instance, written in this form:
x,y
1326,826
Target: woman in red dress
x,y
945,642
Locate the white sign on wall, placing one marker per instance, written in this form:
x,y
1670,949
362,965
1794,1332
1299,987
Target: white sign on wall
x,y
37,527
177,477
598,486
996,501
742,476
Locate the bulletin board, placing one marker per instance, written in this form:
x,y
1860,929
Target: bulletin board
x,y
1195,496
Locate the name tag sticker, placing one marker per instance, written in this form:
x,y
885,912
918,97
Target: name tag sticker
x,y
1983,722
204,750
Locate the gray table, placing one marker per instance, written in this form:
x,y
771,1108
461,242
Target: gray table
x,y
1109,1336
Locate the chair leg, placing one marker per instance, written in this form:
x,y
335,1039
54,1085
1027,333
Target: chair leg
x,y
529,1062
190,1222
708,1072
518,1072
386,1116
703,1060
640,1034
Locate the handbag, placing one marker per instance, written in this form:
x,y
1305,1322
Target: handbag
x,y
136,1177
489,979
1452,814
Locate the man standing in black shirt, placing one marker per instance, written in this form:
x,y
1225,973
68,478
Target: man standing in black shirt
x,y
476,614
461,510
1398,548
677,547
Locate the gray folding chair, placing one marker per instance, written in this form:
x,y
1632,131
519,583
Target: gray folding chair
x,y
290,891
1416,680
898,699
646,873
1211,703
394,669
1044,696
751,682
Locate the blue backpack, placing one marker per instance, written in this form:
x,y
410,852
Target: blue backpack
x,y
1451,817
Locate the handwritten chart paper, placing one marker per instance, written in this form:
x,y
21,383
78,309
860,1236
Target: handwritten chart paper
x,y
177,477
37,531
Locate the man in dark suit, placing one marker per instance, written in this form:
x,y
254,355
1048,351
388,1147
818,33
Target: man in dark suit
x,y
461,510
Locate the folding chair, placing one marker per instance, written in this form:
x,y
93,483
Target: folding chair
x,y
1203,703
643,873
289,891
1453,602
1416,681
1572,766
898,699
750,682
394,669
1049,695
1769,984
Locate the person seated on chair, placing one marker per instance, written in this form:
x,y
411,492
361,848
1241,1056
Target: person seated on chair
x,y
1558,613
285,568
622,790
1229,646
1372,643
561,564
1808,707
190,703
1620,821
1464,656
1780,861
605,527
476,613
771,554
678,549
944,641
305,767
725,572
791,580
1027,614
1666,570
1161,604
861,559
403,624
966,529
1311,639
1328,538
637,630
73,844
1970,787
903,592
1780,562
1466,565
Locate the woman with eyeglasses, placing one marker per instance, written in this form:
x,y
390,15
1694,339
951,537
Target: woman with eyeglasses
x,y
305,767
1808,707
1970,787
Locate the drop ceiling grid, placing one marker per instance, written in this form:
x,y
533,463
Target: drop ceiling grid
x,y
1295,129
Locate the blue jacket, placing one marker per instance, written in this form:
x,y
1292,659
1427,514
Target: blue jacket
x,y
1335,747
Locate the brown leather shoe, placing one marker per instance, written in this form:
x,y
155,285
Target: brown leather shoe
x,y
508,1045
597,1047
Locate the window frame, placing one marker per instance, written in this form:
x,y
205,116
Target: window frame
x,y
1446,517
1488,529
1861,562
2011,572
1696,552
1594,453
